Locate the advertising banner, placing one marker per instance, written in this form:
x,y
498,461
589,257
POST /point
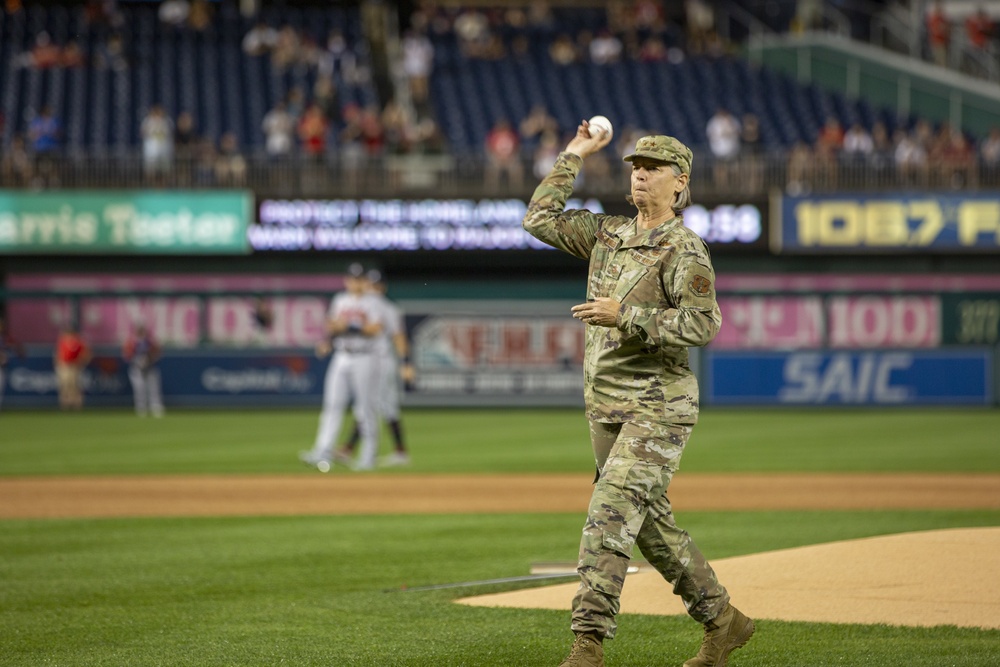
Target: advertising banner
x,y
468,358
886,223
971,319
124,222
464,353
911,377
177,320
810,322
778,322
215,378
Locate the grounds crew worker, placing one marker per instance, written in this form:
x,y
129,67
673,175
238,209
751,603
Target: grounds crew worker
x,y
650,296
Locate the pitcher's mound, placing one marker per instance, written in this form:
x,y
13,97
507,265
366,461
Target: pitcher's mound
x,y
939,577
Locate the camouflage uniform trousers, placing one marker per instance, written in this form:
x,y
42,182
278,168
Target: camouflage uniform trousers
x,y
630,507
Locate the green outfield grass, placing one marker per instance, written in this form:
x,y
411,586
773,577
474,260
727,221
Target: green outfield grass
x,y
267,441
311,591
329,591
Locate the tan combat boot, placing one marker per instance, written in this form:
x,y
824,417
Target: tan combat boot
x,y
724,634
587,651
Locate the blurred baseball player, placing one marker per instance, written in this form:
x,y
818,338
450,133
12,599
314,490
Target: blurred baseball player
x,y
355,320
392,357
70,357
142,353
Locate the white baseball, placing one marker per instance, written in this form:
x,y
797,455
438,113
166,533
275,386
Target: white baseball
x,y
602,125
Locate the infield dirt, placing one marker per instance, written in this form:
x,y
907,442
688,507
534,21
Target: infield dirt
x,y
378,493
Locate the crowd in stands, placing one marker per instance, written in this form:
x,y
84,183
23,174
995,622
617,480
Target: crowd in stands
x,y
317,125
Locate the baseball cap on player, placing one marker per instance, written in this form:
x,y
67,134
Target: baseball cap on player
x,y
664,149
374,275
355,270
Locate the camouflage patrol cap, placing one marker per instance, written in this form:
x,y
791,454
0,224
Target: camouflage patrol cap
x,y
664,149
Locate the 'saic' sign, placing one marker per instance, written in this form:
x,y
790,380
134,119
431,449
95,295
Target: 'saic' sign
x,y
890,223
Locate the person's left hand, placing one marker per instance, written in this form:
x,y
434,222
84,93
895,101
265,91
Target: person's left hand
x,y
601,312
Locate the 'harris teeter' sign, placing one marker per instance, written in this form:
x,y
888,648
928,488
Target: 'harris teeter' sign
x,y
123,222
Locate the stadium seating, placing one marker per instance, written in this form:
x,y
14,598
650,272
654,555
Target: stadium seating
x,y
101,105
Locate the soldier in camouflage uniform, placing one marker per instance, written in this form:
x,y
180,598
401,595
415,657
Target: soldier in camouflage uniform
x,y
650,296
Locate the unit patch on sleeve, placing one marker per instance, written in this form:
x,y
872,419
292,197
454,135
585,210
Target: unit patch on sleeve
x,y
700,286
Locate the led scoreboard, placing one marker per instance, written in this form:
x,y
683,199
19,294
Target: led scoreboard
x,y
297,225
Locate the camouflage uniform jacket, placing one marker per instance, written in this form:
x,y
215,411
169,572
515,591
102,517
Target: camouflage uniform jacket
x,y
664,280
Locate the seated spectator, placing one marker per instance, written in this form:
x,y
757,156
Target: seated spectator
x,y
858,144
286,49
472,28
110,53
174,12
185,136
201,15
157,132
808,16
259,40
427,138
72,55
372,131
605,48
653,50
723,132
751,175
204,166
989,150
980,29
185,147
954,159
310,53
337,56
313,128
829,144
351,152
881,156
44,53
325,94
16,166
503,155
418,62
536,123
938,29
397,126
279,129
562,50
800,169
648,15
544,158
700,25
230,165
911,159
45,132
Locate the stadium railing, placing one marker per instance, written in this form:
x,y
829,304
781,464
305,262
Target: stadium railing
x,y
469,176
